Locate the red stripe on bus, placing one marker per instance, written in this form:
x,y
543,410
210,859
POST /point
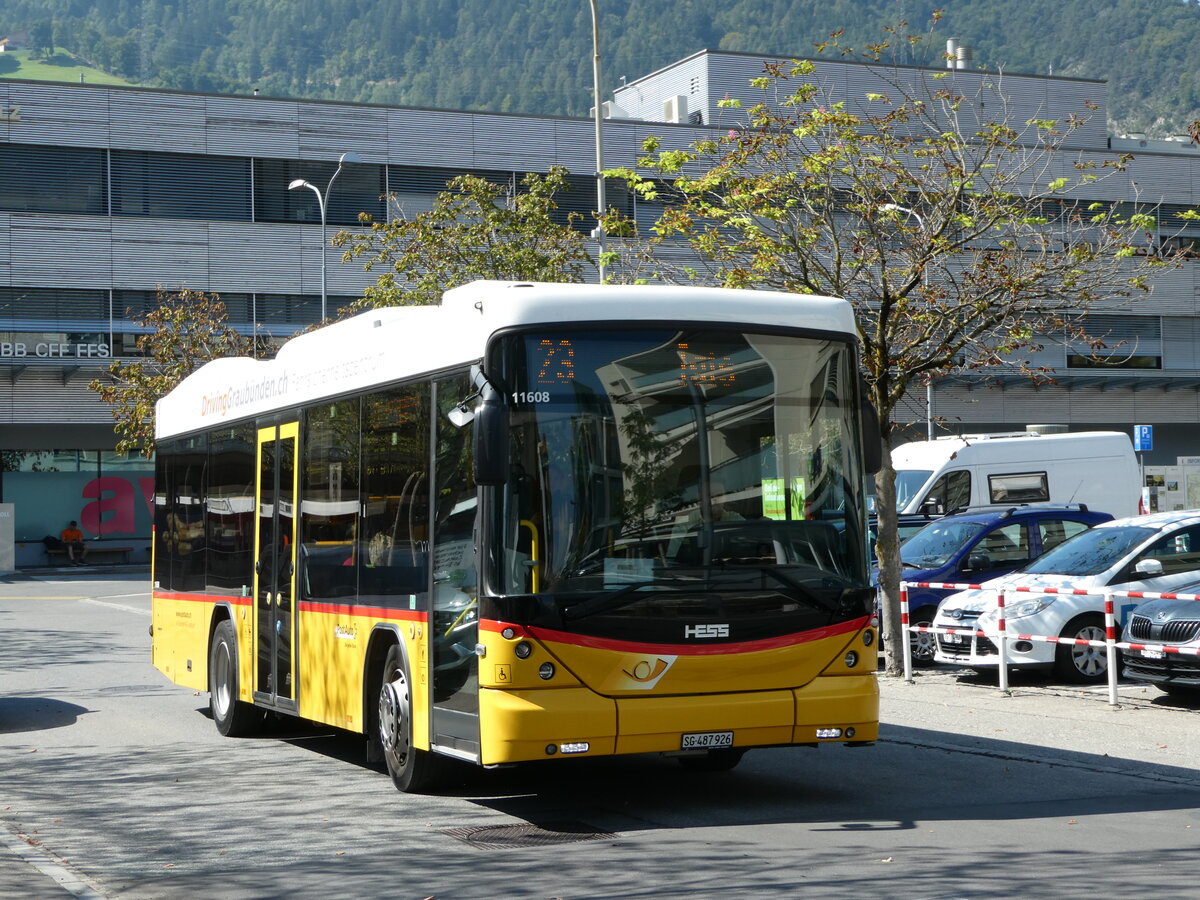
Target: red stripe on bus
x,y
354,609
204,598
597,643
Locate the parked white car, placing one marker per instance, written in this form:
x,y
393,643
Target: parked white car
x,y
1158,552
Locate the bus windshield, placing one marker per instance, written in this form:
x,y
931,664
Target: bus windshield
x,y
659,472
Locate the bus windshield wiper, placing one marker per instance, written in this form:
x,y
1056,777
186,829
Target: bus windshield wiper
x,y
608,602
802,593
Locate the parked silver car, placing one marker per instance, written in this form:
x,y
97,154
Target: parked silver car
x,y
1174,625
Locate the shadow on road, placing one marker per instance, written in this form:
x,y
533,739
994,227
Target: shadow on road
x,y
18,714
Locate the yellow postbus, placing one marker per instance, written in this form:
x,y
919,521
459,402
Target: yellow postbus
x,y
531,522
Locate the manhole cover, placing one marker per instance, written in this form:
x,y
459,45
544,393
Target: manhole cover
x,y
512,837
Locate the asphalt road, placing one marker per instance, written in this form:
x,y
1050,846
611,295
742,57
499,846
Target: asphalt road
x,y
116,784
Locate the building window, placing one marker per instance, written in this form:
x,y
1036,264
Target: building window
x,y
1124,342
180,186
52,179
359,188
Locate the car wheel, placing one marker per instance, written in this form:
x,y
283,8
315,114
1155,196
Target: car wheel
x,y
923,643
1082,664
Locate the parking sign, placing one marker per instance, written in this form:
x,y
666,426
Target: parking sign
x,y
1143,438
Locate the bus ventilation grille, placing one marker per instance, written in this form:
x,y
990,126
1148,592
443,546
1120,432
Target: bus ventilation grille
x,y
514,837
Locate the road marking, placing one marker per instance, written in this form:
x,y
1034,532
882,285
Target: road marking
x,y
41,598
133,609
36,855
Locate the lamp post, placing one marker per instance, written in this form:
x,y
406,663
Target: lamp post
x,y
894,207
322,198
598,231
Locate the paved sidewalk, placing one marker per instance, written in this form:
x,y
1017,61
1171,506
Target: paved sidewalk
x,y
968,711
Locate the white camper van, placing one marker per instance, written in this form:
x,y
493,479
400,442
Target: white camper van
x,y
1096,468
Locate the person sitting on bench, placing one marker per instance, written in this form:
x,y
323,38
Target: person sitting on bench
x,y
72,538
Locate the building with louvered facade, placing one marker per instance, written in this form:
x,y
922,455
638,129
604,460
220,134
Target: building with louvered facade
x,y
109,193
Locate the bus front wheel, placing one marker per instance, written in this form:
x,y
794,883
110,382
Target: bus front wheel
x,y
412,770
233,717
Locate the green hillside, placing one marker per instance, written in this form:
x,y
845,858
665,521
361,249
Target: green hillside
x,y
535,55
59,66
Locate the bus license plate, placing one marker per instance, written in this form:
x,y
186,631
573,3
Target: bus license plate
x,y
707,740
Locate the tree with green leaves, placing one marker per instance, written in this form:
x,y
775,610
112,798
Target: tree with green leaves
x,y
476,229
964,238
183,332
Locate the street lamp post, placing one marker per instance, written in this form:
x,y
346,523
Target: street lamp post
x,y
894,207
322,199
598,231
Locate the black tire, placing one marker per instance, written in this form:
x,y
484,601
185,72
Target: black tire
x,y
713,760
923,643
412,770
1083,665
233,717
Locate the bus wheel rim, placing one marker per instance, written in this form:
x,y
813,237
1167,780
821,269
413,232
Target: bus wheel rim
x,y
221,688
393,716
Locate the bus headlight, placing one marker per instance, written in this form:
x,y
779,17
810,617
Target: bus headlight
x,y
523,649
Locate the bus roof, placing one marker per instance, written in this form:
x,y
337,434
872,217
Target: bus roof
x,y
386,345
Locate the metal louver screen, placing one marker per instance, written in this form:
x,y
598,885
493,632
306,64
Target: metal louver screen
x,y
52,179
179,185
1139,335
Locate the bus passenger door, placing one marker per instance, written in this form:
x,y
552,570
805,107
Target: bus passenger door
x,y
455,615
275,568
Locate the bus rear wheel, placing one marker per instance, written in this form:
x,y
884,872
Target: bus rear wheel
x,y
412,770
233,717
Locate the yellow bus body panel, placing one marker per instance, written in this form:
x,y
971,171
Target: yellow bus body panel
x,y
332,663
521,715
180,639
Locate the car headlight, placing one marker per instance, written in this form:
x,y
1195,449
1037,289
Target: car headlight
x,y
1021,610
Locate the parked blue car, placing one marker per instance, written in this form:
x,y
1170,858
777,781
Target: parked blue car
x,y
978,544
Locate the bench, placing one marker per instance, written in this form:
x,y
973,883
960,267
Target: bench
x,y
93,549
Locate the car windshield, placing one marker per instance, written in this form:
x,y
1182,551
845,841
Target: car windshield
x,y
935,544
908,484
1091,552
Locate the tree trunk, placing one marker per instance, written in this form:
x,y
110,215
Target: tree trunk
x,y
887,554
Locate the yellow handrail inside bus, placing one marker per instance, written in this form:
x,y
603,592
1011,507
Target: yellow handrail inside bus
x,y
533,553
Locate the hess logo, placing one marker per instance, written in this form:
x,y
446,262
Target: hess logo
x,y
706,631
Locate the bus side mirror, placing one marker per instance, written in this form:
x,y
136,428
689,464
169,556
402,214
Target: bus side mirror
x,y
872,440
491,439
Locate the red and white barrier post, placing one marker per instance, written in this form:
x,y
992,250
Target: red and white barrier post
x,y
1110,647
1002,642
904,639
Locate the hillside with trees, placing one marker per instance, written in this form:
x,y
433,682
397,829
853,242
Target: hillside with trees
x,y
535,56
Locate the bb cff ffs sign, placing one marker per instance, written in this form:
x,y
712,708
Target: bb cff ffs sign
x,y
53,350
